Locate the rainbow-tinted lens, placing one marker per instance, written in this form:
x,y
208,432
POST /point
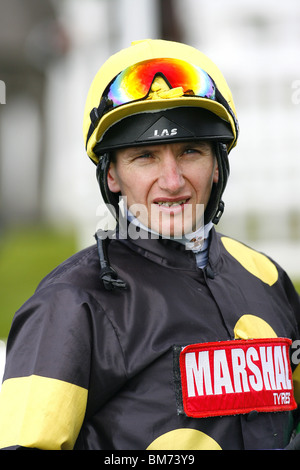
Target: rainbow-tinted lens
x,y
134,82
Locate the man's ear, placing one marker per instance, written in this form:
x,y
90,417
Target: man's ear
x,y
112,179
216,173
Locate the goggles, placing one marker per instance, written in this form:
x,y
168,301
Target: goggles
x,y
134,83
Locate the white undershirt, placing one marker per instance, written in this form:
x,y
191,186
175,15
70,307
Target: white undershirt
x,y
197,241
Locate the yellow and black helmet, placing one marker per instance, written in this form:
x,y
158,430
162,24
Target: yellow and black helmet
x,y
130,82
159,91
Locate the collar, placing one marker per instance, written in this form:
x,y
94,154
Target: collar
x,y
170,253
194,241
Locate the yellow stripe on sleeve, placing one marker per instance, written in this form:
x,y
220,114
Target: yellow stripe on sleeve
x,y
41,412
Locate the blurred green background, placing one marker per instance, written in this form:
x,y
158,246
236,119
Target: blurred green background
x,y
27,254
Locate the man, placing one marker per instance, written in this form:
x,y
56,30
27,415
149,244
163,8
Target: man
x,y
184,340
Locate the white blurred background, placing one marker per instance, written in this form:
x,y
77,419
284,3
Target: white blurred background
x,y
49,54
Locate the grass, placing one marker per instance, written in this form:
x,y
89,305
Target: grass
x,y
27,254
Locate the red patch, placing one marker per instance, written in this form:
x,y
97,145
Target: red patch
x,y
235,377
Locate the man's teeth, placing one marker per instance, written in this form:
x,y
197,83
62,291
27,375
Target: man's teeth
x,y
171,203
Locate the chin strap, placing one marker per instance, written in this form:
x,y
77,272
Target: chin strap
x,y
108,275
215,206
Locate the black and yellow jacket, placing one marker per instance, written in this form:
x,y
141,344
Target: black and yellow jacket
x,y
89,368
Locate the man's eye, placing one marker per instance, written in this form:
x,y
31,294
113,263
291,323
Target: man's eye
x,y
144,156
189,151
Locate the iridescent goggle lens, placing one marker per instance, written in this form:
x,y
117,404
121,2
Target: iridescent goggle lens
x,y
134,82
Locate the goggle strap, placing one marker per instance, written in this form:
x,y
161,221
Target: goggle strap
x,y
95,116
220,99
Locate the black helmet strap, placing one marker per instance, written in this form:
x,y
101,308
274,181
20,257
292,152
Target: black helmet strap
x,y
215,206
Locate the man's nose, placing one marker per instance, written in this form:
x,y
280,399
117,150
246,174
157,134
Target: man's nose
x,y
171,178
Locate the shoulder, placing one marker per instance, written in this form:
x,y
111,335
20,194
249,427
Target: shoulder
x,y
66,298
81,270
257,263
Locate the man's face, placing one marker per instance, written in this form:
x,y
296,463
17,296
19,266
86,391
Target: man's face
x,y
165,184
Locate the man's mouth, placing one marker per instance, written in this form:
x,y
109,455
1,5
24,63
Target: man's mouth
x,y
170,203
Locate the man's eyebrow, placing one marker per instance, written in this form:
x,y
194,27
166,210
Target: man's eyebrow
x,y
202,143
138,150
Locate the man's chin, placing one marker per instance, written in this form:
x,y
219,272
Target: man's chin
x,y
171,225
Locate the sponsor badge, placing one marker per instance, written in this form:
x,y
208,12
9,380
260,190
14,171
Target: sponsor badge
x,y
236,377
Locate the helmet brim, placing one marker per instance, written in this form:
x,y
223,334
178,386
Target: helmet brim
x,y
144,106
